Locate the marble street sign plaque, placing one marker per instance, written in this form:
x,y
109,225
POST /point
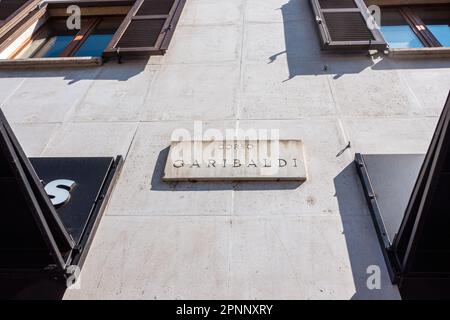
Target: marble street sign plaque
x,y
235,160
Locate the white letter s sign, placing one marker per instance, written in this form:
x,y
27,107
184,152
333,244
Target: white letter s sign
x,y
59,191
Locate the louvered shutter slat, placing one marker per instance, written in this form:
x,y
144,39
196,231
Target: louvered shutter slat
x,y
343,25
337,4
141,33
147,29
155,7
13,11
8,7
339,24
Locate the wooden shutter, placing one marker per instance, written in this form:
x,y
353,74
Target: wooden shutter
x,y
11,8
12,11
342,25
147,29
8,7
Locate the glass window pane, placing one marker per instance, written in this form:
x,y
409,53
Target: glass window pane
x,y
94,45
441,32
401,37
54,46
396,30
59,44
31,49
437,20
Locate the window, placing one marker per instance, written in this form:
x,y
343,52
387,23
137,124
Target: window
x,y
437,20
53,39
397,32
109,28
348,25
416,27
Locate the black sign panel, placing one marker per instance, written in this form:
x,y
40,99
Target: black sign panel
x,y
31,233
414,228
88,174
38,238
423,241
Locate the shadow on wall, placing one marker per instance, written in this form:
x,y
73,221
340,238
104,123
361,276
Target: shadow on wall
x,y
158,184
305,57
362,243
111,70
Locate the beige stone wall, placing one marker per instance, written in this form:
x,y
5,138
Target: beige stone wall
x,y
403,2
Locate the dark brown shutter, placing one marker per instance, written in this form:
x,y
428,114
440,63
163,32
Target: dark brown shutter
x,y
342,25
8,7
12,11
147,29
